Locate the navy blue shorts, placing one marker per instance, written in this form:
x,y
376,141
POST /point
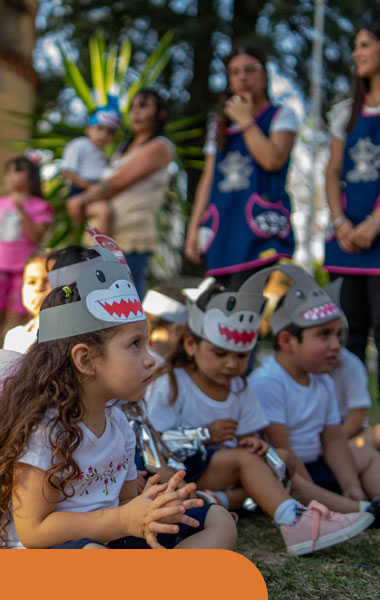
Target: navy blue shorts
x,y
132,543
322,475
195,465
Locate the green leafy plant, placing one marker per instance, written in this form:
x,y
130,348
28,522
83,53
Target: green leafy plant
x,y
108,70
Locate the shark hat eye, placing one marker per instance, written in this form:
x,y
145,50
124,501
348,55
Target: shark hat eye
x,y
100,275
231,303
300,294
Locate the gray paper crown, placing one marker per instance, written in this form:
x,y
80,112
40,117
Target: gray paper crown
x,y
231,320
108,298
305,304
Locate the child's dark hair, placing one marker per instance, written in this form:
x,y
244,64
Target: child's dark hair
x,y
46,385
160,117
22,163
360,85
179,357
69,256
242,47
294,330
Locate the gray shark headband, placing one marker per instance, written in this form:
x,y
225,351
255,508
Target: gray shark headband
x,y
230,320
305,304
108,298
68,274
168,309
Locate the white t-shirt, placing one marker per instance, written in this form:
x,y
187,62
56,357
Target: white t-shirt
x,y
305,410
84,158
284,120
339,116
192,408
106,463
351,383
19,339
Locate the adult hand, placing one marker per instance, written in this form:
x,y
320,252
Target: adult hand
x,y
255,444
355,493
192,250
240,109
74,207
363,235
222,430
343,234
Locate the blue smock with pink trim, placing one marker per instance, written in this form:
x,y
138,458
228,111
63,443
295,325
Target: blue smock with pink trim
x,y
247,221
360,196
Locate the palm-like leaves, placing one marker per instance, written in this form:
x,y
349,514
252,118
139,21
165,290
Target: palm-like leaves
x,y
108,69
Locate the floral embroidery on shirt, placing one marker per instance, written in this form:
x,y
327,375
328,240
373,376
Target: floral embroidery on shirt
x,y
107,476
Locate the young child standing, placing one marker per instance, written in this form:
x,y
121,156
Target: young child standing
x,y
67,471
298,395
35,288
205,387
83,159
24,218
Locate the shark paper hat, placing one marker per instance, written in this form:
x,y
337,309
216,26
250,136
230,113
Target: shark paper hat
x,y
107,115
230,320
168,309
305,304
68,274
108,298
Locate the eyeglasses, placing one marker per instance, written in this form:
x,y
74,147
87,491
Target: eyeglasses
x,y
247,70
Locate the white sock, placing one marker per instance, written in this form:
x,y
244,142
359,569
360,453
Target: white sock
x,y
223,498
363,504
285,513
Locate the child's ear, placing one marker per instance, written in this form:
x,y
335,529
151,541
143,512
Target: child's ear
x,y
286,340
81,357
189,345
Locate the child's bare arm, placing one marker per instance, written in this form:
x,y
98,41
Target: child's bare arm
x,y
74,178
40,525
33,230
277,434
354,422
340,460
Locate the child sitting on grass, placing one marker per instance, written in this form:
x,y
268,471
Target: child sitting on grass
x,y
35,288
205,387
298,396
166,311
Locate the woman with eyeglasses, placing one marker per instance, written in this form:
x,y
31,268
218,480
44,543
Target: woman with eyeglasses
x,y
240,220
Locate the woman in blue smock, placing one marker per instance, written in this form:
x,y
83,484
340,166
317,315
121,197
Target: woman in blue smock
x,y
241,215
353,194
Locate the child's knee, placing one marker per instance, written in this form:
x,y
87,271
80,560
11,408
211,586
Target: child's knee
x,y
220,519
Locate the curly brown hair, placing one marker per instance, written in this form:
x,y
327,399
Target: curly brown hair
x,y
46,385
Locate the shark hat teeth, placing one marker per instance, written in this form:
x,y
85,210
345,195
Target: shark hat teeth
x,y
118,303
329,309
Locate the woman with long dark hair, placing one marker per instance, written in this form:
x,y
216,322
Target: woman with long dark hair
x,y
136,185
353,194
240,220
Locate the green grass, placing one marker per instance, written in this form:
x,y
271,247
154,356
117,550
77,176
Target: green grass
x,y
346,571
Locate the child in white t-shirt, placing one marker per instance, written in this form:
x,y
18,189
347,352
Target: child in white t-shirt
x,y
68,476
83,160
35,288
298,395
351,387
205,387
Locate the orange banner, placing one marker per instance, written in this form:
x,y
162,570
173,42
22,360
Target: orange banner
x,y
148,574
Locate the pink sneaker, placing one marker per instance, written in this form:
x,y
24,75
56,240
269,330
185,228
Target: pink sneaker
x,y
319,528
